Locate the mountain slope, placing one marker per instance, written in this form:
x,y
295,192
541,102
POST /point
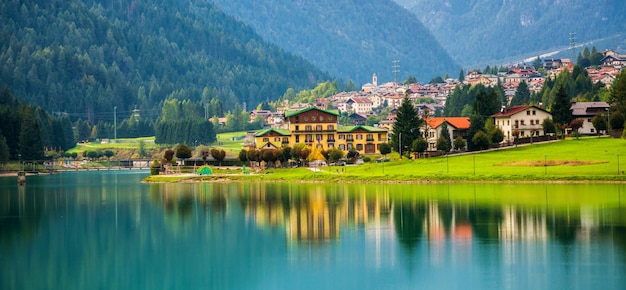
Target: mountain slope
x,y
87,57
350,39
484,31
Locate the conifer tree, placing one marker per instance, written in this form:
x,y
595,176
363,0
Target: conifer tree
x,y
31,147
406,126
522,95
561,108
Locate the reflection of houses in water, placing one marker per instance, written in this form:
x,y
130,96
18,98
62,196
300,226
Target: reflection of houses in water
x,y
315,215
516,225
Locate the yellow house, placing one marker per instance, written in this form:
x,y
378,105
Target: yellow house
x,y
317,127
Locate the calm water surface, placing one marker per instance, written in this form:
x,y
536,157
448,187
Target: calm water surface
x,y
107,230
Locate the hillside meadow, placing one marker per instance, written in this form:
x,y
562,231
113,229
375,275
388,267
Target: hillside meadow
x,y
583,159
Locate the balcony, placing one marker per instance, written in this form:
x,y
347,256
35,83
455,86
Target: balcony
x,y
330,141
369,139
350,139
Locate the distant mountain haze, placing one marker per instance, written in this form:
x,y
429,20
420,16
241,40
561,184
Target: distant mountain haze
x,y
487,32
350,39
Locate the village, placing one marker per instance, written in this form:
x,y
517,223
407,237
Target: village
x,y
318,124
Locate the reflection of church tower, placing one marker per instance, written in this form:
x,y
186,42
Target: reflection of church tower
x,y
375,80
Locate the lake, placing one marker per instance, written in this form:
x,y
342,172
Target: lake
x,y
107,230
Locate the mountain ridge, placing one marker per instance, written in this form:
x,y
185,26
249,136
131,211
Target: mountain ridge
x,y
486,32
350,39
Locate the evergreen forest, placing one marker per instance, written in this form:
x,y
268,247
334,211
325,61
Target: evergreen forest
x,y
99,60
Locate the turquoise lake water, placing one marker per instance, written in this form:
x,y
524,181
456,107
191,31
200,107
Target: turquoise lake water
x,y
107,230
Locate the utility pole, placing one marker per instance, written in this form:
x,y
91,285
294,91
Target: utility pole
x,y
395,70
115,124
572,45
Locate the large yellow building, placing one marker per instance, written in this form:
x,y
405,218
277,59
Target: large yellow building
x,y
317,127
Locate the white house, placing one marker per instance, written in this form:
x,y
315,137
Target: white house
x,y
586,111
521,121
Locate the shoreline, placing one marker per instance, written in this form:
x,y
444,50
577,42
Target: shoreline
x,y
216,178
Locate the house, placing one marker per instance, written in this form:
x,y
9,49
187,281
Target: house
x,y
521,121
586,111
317,127
613,59
265,114
357,119
457,127
359,105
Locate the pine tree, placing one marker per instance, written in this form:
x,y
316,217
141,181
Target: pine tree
x,y
406,126
486,102
444,142
30,145
522,95
561,108
618,95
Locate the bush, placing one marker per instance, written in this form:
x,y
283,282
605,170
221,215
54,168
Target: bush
x,y
367,159
155,167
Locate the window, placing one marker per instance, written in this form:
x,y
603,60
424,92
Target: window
x,y
342,137
297,138
527,113
342,147
359,137
522,122
308,128
508,122
266,139
330,127
532,122
318,128
321,118
359,147
306,118
534,112
276,139
297,127
313,118
350,146
318,137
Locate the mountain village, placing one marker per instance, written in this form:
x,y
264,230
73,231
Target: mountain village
x,y
318,123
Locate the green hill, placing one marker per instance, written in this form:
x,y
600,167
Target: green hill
x,y
87,57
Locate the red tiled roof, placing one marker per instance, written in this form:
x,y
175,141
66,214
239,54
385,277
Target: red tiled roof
x,y
456,122
510,111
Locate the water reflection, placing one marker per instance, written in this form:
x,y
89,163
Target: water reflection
x,y
433,213
209,235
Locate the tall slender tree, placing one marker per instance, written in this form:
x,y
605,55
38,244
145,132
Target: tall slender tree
x,y
561,108
522,95
31,147
406,126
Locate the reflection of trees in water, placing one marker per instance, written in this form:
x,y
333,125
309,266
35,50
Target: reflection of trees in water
x,y
408,217
318,211
20,213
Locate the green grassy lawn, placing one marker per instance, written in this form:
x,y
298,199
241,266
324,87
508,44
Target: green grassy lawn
x,y
588,158
572,159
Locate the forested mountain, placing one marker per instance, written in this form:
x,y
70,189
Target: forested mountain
x,y
87,57
350,39
486,32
